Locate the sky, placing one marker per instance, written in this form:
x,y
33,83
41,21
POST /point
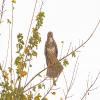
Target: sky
x,y
70,21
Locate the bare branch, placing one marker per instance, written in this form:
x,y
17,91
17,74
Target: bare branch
x,y
89,88
72,79
83,42
31,23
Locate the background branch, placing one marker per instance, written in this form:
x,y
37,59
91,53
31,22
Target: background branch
x,y
89,87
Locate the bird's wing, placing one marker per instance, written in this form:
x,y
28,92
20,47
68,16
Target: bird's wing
x,y
56,49
46,52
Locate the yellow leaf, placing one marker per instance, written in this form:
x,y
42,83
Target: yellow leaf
x,y
26,50
13,1
23,73
61,98
5,75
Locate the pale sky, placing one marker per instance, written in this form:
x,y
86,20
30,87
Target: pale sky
x,y
70,21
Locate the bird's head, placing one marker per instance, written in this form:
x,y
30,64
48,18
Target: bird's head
x,y
50,35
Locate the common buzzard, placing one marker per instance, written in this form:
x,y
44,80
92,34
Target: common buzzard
x,y
54,67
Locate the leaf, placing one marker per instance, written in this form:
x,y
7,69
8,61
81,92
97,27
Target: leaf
x,y
34,53
26,50
61,98
8,21
23,73
37,97
73,54
65,62
39,86
34,88
53,93
10,69
13,1
43,86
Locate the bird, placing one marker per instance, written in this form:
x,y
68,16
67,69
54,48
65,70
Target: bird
x,y
54,67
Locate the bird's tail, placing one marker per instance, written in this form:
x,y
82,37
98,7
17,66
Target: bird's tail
x,y
55,70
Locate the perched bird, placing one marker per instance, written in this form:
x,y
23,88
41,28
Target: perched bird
x,y
54,67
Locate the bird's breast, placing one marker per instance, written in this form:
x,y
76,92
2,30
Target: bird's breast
x,y
51,50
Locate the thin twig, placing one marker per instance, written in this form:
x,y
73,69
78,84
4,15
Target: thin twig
x,y
49,90
35,85
31,23
61,49
7,48
11,39
27,73
73,78
34,77
63,71
89,88
2,10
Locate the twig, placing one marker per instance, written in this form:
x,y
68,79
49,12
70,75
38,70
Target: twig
x,y
61,49
27,74
2,10
35,77
63,71
89,88
11,39
35,85
7,49
72,79
49,89
31,23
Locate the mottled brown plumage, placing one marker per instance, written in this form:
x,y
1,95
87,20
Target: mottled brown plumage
x,y
54,67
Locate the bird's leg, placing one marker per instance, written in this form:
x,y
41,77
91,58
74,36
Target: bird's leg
x,y
54,81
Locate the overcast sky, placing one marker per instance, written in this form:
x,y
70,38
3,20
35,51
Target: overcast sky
x,y
70,21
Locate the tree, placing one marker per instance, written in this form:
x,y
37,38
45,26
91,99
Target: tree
x,y
12,85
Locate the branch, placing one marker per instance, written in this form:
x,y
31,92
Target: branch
x,y
89,88
83,42
49,89
72,79
35,85
34,77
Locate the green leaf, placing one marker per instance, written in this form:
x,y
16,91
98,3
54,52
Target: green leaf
x,y
65,62
34,53
39,86
34,88
73,54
